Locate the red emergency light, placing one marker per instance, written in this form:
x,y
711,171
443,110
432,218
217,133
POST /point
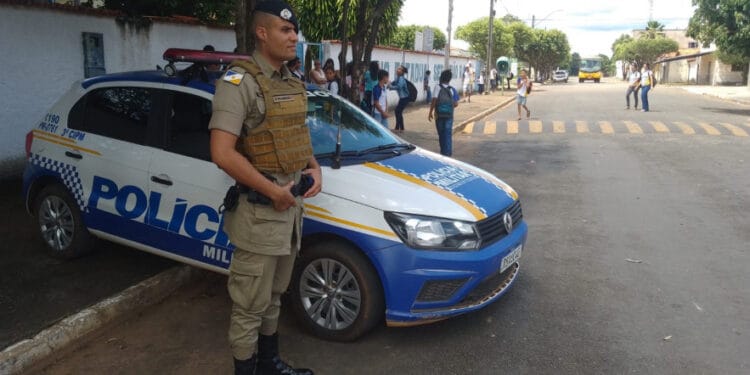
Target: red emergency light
x,y
200,57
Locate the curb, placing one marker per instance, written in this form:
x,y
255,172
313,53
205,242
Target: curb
x,y
23,354
460,127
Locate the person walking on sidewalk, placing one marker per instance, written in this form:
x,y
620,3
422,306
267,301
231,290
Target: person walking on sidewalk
x,y
634,84
648,83
444,100
403,97
523,86
426,87
263,215
379,99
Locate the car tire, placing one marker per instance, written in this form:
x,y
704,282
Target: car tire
x,y
580,80
596,80
60,223
315,304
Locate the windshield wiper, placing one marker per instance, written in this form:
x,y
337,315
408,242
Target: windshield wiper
x,y
391,147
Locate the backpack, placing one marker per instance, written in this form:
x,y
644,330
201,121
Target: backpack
x,y
528,88
444,104
412,90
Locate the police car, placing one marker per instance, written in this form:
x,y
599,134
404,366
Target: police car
x,y
398,233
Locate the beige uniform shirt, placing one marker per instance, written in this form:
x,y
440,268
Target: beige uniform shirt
x,y
240,103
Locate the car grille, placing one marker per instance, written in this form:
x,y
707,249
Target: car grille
x,y
439,290
492,229
490,287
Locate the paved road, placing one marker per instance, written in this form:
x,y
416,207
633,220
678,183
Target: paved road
x,y
636,263
37,290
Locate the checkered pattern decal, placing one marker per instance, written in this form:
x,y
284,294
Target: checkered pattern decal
x,y
68,174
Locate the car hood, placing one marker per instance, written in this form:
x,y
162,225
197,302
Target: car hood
x,y
423,183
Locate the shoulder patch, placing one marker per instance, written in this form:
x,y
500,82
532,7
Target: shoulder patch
x,y
233,77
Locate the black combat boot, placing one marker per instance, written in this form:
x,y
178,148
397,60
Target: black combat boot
x,y
245,366
269,362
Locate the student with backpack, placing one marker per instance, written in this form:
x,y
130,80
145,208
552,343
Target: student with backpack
x,y
523,86
401,86
379,103
444,100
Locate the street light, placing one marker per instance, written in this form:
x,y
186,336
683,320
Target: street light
x,y
533,17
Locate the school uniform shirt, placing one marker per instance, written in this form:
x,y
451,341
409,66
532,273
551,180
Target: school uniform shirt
x,y
379,95
633,77
522,90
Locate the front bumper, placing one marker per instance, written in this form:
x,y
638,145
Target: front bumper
x,y
424,286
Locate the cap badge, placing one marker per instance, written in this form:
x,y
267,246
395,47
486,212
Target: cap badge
x,y
286,14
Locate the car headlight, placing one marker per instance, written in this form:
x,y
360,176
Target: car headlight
x,y
424,232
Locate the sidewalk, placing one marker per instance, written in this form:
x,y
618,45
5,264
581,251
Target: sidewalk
x,y
422,132
737,94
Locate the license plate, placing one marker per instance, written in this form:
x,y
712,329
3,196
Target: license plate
x,y
511,258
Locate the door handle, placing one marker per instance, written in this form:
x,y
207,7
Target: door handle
x,y
73,155
162,180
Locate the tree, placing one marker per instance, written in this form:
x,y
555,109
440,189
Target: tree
x,y
608,66
210,11
404,37
724,22
654,30
477,32
575,63
644,50
361,23
544,50
624,38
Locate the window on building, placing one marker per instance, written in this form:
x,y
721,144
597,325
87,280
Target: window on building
x,y
115,112
693,45
93,55
738,67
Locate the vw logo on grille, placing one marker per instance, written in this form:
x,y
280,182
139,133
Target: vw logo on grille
x,y
508,222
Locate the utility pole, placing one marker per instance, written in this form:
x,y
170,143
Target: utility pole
x,y
533,20
446,64
490,44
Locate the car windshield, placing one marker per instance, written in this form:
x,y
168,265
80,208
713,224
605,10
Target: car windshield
x,y
362,138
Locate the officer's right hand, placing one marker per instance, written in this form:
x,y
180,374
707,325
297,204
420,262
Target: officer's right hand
x,y
284,198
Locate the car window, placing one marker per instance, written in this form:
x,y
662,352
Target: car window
x,y
116,112
325,113
188,126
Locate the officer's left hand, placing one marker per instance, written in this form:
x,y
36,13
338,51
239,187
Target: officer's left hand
x,y
317,185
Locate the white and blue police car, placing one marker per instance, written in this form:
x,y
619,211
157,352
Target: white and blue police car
x,y
398,233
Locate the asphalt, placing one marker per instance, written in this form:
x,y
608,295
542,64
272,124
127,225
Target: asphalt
x,y
34,352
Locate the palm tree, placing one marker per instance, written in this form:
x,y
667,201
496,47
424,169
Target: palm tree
x,y
654,30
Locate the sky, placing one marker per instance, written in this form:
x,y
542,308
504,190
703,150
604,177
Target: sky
x,y
591,26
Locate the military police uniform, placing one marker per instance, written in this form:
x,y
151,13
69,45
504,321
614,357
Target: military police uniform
x,y
271,105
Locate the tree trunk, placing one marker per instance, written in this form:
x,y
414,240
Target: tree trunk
x,y
343,28
243,25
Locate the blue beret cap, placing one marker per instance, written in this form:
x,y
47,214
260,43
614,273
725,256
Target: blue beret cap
x,y
279,9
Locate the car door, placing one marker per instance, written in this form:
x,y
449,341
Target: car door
x,y
112,122
186,188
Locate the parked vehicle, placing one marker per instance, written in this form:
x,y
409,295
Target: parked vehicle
x,y
398,232
560,76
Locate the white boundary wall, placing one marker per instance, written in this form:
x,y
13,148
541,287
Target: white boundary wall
x,y
43,57
415,62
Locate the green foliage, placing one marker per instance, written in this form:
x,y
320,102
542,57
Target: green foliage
x,y
644,50
608,66
724,22
624,38
211,11
321,19
404,36
477,32
575,63
543,49
654,30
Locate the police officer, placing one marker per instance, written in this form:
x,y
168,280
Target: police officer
x,y
259,137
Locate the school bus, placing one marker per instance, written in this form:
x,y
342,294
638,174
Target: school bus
x,y
591,69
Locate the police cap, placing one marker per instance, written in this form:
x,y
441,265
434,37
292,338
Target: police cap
x,y
278,8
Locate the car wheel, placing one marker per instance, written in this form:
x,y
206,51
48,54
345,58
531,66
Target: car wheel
x,y
336,293
580,80
60,224
596,81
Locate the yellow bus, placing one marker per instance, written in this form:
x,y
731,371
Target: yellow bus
x,y
591,69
